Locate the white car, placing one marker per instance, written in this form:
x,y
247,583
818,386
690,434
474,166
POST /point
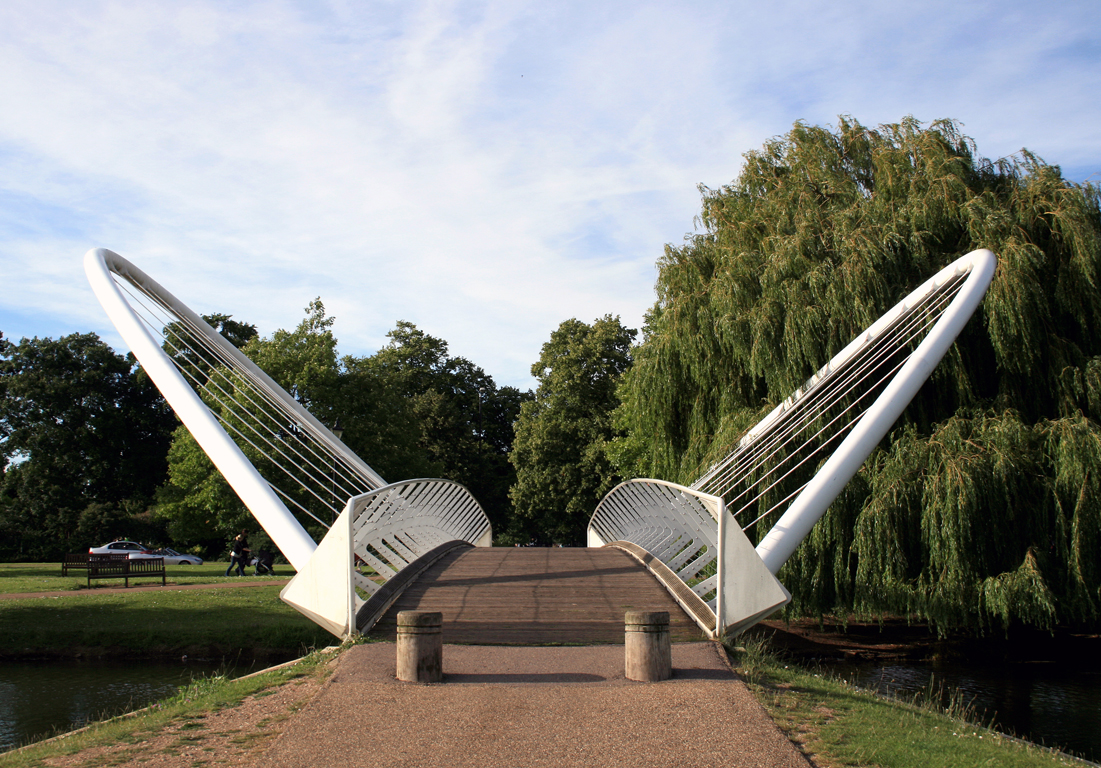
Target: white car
x,y
171,557
138,551
120,548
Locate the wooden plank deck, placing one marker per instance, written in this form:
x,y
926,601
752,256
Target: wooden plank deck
x,y
535,595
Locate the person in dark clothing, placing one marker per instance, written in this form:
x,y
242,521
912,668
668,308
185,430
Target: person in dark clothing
x,y
264,562
240,554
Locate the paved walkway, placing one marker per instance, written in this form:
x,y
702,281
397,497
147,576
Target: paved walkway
x,y
537,595
532,706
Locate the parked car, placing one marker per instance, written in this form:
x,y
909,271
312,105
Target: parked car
x,y
119,548
171,557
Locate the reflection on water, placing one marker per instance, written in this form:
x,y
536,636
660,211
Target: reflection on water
x,y
39,699
1057,705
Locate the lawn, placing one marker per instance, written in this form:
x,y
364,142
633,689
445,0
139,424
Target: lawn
x,y
18,578
223,619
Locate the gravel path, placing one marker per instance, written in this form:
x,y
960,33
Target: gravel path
x,y
532,706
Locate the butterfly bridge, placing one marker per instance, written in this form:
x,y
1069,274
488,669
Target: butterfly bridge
x,y
286,466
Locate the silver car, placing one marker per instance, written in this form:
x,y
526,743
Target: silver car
x,y
171,557
120,548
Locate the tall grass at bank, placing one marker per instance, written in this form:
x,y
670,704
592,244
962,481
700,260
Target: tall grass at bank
x,y
837,724
159,622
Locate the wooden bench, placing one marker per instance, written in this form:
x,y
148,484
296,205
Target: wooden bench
x,y
79,561
113,567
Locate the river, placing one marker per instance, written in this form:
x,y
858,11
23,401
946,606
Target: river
x,y
1055,704
42,698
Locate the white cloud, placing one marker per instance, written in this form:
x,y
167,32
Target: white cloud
x,y
485,170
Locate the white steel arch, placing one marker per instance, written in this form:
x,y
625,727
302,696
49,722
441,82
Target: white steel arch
x,y
286,437
838,416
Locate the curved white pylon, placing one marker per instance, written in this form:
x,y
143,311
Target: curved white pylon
x,y
386,525
101,266
790,530
847,408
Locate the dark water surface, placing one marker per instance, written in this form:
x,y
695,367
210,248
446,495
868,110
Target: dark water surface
x,y
1051,703
43,698
1055,704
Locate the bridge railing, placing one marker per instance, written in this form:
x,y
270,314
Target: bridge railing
x,y
398,524
388,532
696,545
675,524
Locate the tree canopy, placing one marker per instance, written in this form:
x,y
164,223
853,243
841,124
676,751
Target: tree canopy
x,y
411,410
83,437
984,503
562,470
465,420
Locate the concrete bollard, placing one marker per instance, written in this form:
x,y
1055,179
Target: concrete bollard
x,y
648,653
420,646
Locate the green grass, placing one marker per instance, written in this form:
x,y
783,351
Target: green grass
x,y
184,711
18,578
839,725
158,622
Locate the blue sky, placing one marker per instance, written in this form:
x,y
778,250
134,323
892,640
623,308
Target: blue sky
x,y
485,170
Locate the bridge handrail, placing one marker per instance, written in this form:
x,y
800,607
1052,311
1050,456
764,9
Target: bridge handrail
x,y
674,524
397,524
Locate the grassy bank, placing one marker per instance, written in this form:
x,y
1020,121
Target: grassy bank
x,y
216,621
19,578
839,725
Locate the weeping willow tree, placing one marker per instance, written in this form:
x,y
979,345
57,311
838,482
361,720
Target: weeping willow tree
x,y
983,506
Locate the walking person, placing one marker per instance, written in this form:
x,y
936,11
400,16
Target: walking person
x,y
239,554
264,562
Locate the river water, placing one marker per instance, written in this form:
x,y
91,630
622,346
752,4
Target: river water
x,y
1058,705
1050,703
43,698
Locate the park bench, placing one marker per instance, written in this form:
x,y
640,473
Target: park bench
x,y
117,567
79,561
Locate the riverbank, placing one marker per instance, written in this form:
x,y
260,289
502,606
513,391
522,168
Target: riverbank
x,y
811,641
238,722
836,723
222,621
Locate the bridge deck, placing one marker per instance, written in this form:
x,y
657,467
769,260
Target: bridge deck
x,y
537,596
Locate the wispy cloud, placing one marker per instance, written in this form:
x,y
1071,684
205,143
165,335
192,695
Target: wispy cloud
x,y
485,170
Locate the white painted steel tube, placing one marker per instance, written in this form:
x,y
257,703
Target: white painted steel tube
x,y
291,538
790,530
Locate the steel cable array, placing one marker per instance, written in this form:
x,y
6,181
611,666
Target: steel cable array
x,y
246,408
834,399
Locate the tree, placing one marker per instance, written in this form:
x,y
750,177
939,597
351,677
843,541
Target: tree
x,y
559,452
465,420
83,440
378,426
984,503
